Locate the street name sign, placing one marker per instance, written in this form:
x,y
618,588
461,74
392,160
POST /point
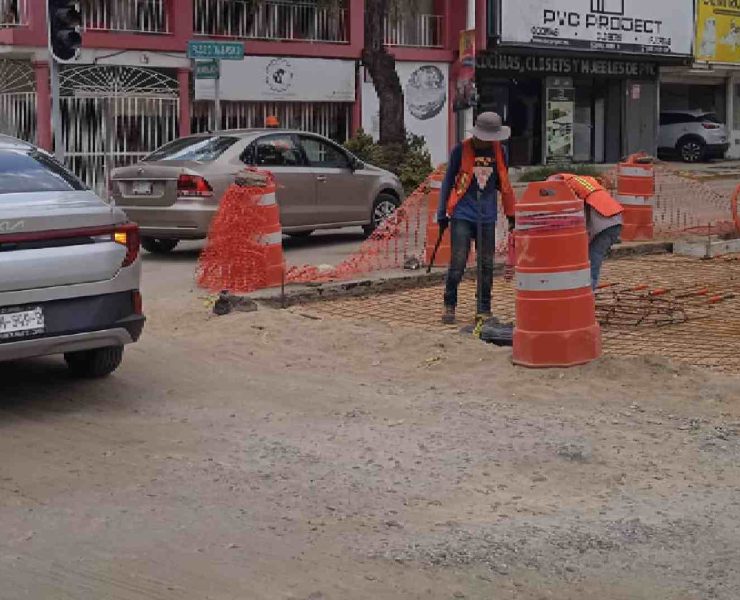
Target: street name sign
x,y
207,69
198,49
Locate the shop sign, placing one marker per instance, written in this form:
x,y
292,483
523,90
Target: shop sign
x,y
659,27
568,65
283,79
465,92
718,31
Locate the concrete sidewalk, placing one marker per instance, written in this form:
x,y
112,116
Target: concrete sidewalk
x,y
400,279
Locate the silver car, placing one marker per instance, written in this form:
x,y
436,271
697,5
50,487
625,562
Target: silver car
x,y
69,266
173,193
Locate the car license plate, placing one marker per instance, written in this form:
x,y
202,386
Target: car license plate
x,y
21,323
142,188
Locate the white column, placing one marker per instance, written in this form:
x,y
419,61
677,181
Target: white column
x,y
733,129
468,114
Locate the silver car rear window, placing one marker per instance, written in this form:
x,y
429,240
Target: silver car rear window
x,y
33,171
200,149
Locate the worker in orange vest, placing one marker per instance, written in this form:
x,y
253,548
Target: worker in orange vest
x,y
603,218
272,122
477,169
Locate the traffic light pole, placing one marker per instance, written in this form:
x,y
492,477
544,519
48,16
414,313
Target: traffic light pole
x,y
218,100
56,110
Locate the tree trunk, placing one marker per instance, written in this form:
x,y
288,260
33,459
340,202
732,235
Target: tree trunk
x,y
382,68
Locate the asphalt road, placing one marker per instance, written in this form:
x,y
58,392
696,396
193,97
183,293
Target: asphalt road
x,y
280,456
170,276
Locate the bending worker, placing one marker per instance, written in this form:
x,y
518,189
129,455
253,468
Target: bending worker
x,y
476,170
603,218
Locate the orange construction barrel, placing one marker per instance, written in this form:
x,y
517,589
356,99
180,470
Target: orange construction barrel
x,y
555,310
636,192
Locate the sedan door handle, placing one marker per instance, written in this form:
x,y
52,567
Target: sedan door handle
x,y
321,178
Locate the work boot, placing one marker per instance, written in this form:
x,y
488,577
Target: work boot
x,y
448,317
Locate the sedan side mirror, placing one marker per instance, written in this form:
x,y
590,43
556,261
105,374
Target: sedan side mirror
x,y
357,165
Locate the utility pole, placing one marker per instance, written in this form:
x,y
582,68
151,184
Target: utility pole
x,y
64,20
56,109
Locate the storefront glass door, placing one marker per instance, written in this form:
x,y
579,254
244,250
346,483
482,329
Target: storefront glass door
x,y
583,123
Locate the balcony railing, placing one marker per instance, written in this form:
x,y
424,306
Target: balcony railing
x,y
270,20
13,13
131,16
424,31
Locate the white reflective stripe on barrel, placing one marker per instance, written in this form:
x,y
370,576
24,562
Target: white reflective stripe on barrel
x,y
562,213
636,200
271,239
267,200
552,219
553,223
635,172
553,282
435,185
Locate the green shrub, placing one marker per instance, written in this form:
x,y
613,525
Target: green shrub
x,y
542,173
410,161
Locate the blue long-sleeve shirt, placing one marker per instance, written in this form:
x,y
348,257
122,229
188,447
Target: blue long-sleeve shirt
x,y
467,208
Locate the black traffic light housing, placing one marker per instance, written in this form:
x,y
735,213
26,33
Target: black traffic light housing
x,y
64,29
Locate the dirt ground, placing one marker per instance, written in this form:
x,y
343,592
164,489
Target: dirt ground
x,y
271,455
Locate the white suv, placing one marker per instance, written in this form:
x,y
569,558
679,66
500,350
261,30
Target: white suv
x,y
69,266
693,134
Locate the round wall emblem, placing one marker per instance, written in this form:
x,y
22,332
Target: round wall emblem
x,y
279,76
426,92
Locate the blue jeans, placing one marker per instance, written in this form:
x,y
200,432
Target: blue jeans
x,y
462,233
599,248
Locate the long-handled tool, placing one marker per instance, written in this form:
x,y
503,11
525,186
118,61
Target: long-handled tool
x,y
479,319
436,248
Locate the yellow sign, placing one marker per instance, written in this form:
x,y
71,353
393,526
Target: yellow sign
x,y
467,43
718,31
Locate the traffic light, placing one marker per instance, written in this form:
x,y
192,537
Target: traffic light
x,y
64,29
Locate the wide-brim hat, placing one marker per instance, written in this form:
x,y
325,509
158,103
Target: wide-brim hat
x,y
489,127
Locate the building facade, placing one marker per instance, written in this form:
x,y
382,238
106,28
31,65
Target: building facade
x,y
578,80
712,82
132,88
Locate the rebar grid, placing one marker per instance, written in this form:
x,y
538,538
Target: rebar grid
x,y
680,308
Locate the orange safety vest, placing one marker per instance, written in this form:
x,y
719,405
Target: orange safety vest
x,y
592,193
465,178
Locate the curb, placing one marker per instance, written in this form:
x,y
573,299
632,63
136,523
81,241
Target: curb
x,y
306,294
641,249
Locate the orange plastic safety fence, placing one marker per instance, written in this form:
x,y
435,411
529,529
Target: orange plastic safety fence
x,y
398,243
234,259
685,205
